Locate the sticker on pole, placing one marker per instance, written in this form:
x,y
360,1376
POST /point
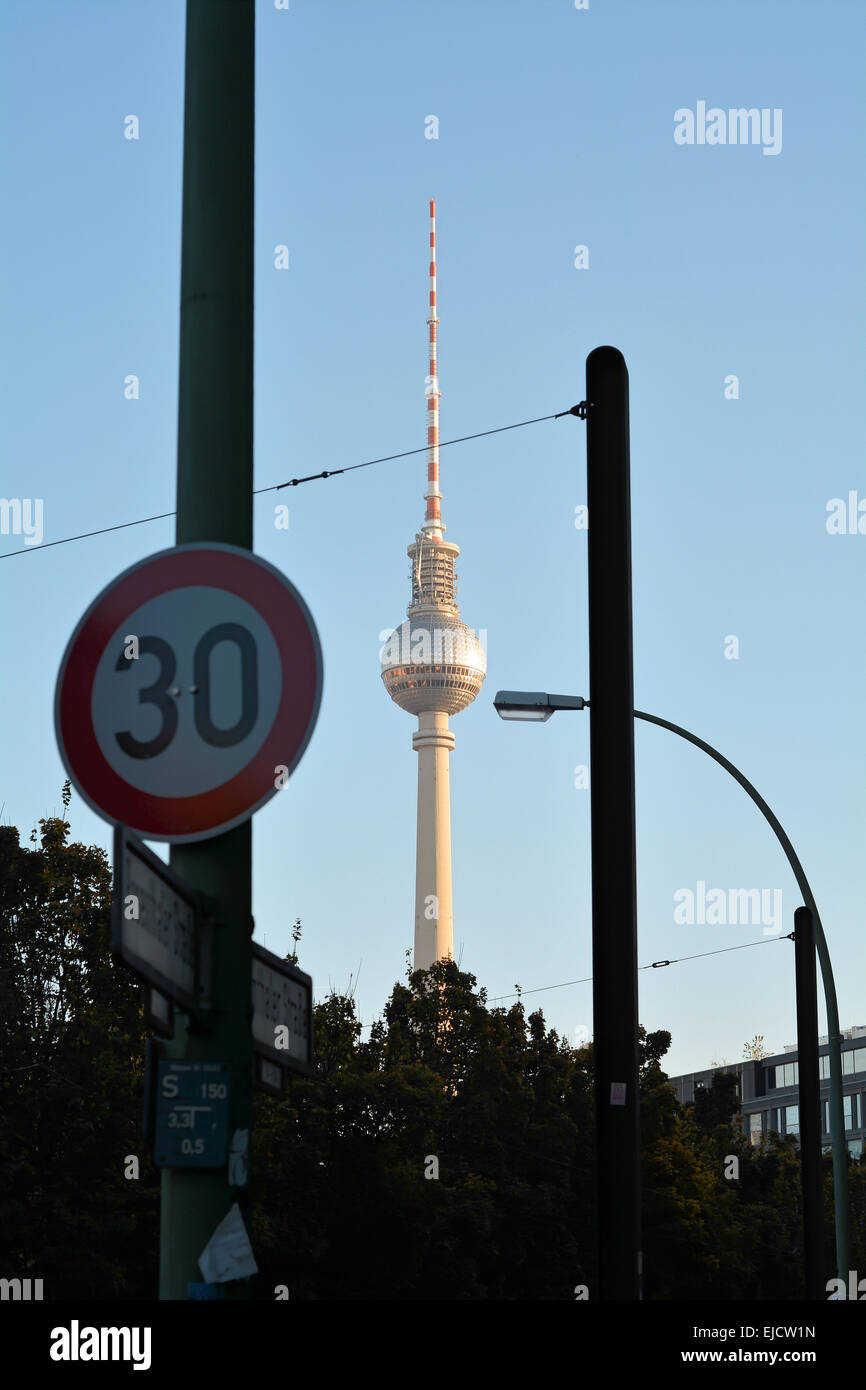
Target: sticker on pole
x,y
188,692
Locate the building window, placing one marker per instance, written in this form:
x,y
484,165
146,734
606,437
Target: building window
x,y
853,1060
850,1112
792,1120
855,1147
786,1076
773,1119
755,1127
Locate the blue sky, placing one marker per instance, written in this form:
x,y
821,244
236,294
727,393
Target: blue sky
x,y
556,129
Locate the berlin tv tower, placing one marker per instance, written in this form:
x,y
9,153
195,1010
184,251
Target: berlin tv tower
x,y
433,665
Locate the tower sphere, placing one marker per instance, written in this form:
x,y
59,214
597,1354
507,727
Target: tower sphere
x,y
433,662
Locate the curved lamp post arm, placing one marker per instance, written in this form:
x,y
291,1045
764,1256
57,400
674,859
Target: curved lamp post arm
x,y
837,1120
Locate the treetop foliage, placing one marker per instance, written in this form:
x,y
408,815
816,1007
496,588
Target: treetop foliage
x,y
447,1155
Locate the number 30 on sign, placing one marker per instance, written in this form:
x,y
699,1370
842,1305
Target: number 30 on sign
x,y
187,684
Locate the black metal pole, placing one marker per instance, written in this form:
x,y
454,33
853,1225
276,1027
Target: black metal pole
x,y
614,894
837,1125
810,1118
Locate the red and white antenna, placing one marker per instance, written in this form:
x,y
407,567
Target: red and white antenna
x,y
433,527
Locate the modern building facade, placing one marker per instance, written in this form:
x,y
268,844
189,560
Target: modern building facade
x,y
433,666
769,1091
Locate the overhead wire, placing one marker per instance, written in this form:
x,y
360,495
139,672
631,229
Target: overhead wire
x,y
293,482
654,965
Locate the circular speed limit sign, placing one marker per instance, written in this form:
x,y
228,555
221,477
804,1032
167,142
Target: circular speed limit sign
x,y
188,692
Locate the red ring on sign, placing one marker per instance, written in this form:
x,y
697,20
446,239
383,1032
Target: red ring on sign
x,y
206,813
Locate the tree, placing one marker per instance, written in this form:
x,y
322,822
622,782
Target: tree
x,y
444,1158
717,1105
71,1077
448,1156
292,956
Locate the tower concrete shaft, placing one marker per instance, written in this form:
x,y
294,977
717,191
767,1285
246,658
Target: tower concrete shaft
x,y
433,666
434,907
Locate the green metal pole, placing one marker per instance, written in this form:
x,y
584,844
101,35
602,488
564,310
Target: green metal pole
x,y
837,1120
214,503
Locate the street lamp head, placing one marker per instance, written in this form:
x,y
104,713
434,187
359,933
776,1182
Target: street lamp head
x,y
535,705
522,704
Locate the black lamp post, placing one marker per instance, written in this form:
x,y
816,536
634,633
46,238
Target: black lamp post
x,y
539,706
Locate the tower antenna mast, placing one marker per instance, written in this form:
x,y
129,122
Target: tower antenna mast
x,y
433,528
